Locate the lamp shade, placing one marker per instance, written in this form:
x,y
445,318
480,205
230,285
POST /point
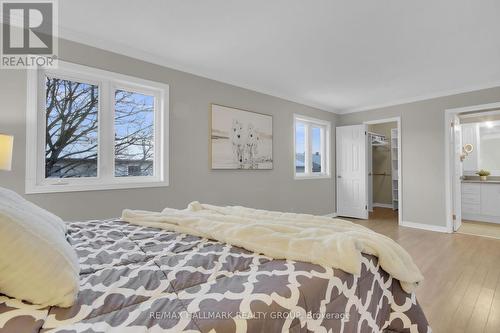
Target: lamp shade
x,y
6,144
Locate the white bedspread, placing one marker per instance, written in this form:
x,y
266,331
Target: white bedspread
x,y
320,240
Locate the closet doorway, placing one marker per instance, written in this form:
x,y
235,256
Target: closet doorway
x,y
369,170
384,167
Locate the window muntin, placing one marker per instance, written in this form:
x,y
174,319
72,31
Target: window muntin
x,y
93,143
311,148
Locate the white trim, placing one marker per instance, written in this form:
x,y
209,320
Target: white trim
x,y
485,113
444,93
55,188
311,176
382,121
382,205
129,51
448,119
400,159
326,152
448,166
311,119
423,226
474,108
106,80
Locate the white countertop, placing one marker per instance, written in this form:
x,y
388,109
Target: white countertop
x,y
481,181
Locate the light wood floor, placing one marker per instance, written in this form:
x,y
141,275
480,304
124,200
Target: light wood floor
x,y
480,229
461,290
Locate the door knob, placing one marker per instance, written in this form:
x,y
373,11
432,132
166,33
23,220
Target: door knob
x,y
339,176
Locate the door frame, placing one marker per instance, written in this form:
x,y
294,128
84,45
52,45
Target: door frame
x,y
400,162
369,169
450,195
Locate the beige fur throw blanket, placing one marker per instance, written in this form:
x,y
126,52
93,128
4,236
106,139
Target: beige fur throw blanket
x,y
320,240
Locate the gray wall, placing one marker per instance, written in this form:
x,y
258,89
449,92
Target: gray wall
x,y
190,176
423,164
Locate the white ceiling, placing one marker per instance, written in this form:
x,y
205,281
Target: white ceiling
x,y
339,56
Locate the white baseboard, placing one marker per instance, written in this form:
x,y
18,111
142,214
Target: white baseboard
x,y
423,226
382,205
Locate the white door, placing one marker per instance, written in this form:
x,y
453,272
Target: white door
x,y
352,176
369,161
457,173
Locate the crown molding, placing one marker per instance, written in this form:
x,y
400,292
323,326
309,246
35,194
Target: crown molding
x,y
444,93
127,50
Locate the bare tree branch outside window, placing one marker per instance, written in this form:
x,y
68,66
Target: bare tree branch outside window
x,y
71,129
71,143
134,134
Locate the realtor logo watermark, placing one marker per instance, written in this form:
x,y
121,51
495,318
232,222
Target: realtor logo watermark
x,y
29,36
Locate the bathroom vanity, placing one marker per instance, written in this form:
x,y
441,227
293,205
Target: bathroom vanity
x,y
481,200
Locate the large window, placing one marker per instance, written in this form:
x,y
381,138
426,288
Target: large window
x,y
90,129
312,148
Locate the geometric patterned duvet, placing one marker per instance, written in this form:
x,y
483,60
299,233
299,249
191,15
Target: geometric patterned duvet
x,y
138,279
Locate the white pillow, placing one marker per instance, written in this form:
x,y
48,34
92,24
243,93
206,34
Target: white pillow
x,y
9,197
37,264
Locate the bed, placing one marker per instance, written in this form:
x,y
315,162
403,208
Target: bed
x,y
142,279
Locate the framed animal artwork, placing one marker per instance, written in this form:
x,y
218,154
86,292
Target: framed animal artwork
x,y
240,139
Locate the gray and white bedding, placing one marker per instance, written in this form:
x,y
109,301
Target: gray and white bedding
x,y
142,279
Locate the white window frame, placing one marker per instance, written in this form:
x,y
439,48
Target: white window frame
x,y
108,82
325,147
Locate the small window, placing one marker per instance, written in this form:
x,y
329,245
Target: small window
x,y
90,129
134,170
311,148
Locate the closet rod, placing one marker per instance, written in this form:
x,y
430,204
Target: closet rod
x,y
373,133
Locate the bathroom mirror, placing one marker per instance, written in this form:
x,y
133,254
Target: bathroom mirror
x,y
481,147
489,144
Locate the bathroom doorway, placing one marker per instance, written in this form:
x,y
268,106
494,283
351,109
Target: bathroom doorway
x,y
473,170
